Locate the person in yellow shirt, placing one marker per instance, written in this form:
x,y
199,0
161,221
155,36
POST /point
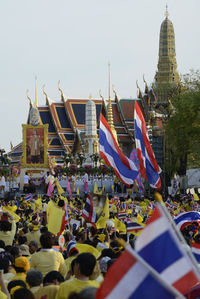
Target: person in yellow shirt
x,y
33,234
22,266
7,231
47,259
4,294
50,286
83,267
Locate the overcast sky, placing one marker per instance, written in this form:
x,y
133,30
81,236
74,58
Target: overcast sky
x,y
72,41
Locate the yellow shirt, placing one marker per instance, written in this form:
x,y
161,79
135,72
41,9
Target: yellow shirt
x,y
8,236
19,276
33,236
68,262
48,260
74,285
48,292
2,295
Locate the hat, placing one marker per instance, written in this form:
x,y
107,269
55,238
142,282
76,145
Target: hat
x,y
24,250
22,262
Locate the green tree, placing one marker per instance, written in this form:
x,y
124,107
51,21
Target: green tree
x,y
182,129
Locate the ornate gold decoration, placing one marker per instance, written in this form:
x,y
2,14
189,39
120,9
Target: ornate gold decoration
x,y
166,12
95,146
61,92
44,92
36,103
110,114
31,103
86,146
26,147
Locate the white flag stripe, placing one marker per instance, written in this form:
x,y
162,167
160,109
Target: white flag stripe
x,y
151,232
119,291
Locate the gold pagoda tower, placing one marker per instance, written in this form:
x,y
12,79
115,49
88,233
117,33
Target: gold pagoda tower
x,y
167,77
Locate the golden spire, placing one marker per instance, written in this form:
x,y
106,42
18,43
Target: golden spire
x,y
166,12
36,91
110,114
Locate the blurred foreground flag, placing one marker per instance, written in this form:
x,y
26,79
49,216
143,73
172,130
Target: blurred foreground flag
x,y
128,278
124,168
149,168
159,246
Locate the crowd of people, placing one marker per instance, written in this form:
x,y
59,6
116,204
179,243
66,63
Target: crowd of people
x,y
35,263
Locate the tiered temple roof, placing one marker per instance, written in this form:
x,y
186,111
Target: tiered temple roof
x,y
66,120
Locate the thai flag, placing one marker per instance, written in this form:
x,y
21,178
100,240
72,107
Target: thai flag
x,y
132,226
148,165
89,212
127,278
159,246
122,216
195,247
77,211
185,218
117,202
168,203
28,197
124,168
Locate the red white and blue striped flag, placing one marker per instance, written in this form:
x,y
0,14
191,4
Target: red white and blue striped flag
x,y
28,197
159,246
124,168
89,211
149,168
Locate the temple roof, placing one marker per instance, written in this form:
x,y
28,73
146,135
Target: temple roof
x,y
66,120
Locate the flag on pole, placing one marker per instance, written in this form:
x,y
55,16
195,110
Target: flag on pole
x,y
195,247
129,278
149,168
124,168
28,197
89,211
159,246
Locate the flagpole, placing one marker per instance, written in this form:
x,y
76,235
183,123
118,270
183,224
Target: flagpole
x,y
155,274
158,197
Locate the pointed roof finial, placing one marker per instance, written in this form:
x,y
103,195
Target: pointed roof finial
x,y
90,97
36,91
109,80
166,12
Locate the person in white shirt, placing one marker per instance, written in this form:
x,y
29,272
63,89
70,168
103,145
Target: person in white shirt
x,y
3,183
85,178
26,181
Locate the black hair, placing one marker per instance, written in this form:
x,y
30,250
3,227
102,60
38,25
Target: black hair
x,y
4,263
22,240
34,278
2,244
43,229
5,225
61,203
23,293
52,276
86,262
14,283
46,240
